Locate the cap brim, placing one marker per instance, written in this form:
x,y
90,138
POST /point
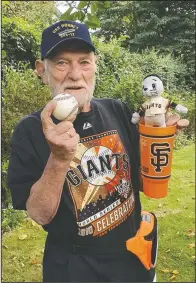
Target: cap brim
x,y
68,40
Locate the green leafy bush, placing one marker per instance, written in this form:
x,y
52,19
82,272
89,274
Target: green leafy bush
x,y
120,73
5,193
182,141
11,218
22,93
22,25
20,41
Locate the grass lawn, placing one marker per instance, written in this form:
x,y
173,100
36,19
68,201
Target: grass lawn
x,y
22,248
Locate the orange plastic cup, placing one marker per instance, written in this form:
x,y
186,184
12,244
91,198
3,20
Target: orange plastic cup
x,y
156,148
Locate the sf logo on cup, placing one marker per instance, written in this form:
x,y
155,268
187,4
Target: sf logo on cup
x,y
160,153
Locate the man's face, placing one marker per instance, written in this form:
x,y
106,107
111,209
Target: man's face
x,y
72,72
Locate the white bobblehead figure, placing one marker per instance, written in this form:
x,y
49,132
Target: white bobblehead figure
x,y
155,107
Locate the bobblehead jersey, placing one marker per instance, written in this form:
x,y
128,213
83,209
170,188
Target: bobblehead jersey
x,y
100,200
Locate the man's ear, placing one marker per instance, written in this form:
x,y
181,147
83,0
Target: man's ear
x,y
96,61
41,71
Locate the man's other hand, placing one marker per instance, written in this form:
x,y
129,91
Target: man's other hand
x,y
174,119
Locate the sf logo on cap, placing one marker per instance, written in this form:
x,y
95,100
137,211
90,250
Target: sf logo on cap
x,y
160,153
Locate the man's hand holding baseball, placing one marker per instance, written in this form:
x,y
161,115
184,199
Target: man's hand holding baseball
x,y
62,138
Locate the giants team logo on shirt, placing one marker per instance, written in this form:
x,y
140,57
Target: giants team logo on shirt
x,y
99,182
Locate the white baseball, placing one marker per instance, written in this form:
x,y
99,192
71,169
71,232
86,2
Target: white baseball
x,y
66,107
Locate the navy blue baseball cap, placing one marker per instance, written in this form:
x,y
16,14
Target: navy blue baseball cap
x,y
64,32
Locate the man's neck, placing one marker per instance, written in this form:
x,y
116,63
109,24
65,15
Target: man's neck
x,y
86,107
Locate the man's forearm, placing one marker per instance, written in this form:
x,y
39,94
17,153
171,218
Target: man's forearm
x,y
45,195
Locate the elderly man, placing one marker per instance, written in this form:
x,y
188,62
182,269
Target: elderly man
x,y
79,179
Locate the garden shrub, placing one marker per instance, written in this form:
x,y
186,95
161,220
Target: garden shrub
x,y
20,41
22,25
11,218
22,93
120,73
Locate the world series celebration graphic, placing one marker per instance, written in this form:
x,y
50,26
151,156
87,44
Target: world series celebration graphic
x,y
99,183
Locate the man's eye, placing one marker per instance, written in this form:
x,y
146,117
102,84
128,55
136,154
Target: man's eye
x,y
84,62
61,62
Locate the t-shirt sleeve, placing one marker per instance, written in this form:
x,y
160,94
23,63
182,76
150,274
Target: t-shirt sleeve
x,y
24,168
133,134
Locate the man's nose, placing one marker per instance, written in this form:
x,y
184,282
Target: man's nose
x,y
74,72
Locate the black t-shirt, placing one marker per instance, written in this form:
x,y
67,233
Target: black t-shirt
x,y
100,203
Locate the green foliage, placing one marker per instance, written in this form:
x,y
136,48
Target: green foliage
x,y
120,73
20,41
5,192
22,93
85,11
190,130
11,218
37,13
116,21
168,26
22,25
182,141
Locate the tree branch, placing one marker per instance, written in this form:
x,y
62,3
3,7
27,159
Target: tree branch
x,y
86,10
